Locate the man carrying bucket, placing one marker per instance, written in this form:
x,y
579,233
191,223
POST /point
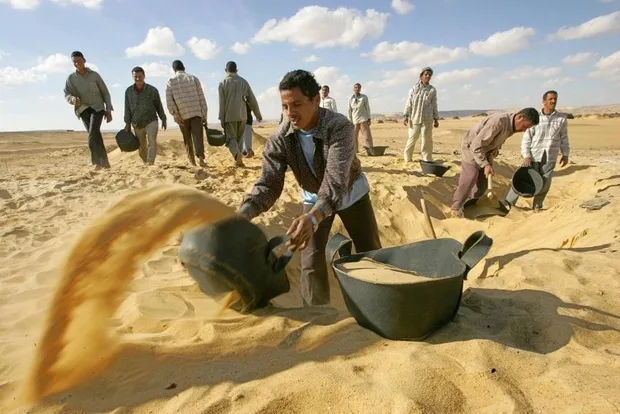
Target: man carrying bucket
x,y
480,145
541,146
318,146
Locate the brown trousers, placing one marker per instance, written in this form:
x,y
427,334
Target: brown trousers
x,y
365,128
193,138
472,184
359,220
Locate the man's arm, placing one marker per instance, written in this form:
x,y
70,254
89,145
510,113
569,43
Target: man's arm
x,y
204,109
435,110
350,111
69,92
269,186
564,145
481,142
173,109
105,93
128,116
159,107
337,171
407,110
367,104
526,142
253,103
335,107
222,96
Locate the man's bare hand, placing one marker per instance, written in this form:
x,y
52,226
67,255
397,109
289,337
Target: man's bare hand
x,y
488,170
564,161
527,162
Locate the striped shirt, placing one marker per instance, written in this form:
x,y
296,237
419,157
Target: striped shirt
x,y
185,97
359,109
335,167
421,106
90,89
142,108
550,135
329,103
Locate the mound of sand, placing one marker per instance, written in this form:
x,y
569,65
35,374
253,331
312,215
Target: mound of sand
x,y
538,329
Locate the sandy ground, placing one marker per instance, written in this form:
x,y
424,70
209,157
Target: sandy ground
x,y
538,329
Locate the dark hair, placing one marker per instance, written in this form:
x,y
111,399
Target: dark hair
x,y
138,69
357,84
231,66
549,92
530,114
78,54
177,65
301,79
326,87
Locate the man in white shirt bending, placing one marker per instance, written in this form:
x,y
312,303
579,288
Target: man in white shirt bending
x,y
541,145
327,101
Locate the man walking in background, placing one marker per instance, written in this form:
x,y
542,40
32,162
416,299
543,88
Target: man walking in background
x,y
359,115
541,145
420,115
91,100
247,133
187,104
234,92
327,101
142,106
478,148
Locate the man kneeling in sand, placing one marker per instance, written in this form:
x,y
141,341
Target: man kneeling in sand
x,y
318,146
480,145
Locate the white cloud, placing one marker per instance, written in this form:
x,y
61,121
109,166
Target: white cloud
x,y
240,48
311,58
22,4
117,85
528,72
414,53
340,86
3,54
460,75
555,82
598,26
203,49
269,102
503,43
323,27
159,41
53,64
608,68
89,4
10,76
577,58
58,63
157,70
402,6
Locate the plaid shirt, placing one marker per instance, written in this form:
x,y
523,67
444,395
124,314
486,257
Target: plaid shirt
x,y
550,135
335,163
421,106
142,108
185,97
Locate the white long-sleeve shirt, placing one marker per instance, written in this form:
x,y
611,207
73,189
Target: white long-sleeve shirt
x,y
421,105
359,109
550,135
329,103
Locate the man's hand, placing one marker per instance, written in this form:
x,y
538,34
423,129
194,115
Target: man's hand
x,y
564,161
406,121
436,125
301,232
259,118
178,119
127,127
164,124
108,117
527,162
488,170
369,122
77,102
222,124
495,153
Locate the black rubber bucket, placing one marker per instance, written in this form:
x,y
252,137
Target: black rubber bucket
x,y
215,138
527,182
127,141
409,311
234,254
375,151
434,168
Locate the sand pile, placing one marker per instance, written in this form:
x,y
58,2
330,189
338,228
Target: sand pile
x,y
538,329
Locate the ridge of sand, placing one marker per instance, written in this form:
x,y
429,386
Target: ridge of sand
x,y
538,329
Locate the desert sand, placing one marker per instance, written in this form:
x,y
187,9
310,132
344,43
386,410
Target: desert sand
x,y
538,329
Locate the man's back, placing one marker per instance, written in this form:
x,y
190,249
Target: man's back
x,y
184,96
233,92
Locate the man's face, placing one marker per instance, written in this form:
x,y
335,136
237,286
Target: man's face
x,y
357,89
300,109
79,63
426,77
521,124
324,92
550,101
138,78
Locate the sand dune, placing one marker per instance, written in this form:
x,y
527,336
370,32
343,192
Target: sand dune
x,y
538,329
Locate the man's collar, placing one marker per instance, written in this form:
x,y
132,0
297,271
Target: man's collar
x,y
542,112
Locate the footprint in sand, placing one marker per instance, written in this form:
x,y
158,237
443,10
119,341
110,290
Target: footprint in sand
x,y
161,305
162,265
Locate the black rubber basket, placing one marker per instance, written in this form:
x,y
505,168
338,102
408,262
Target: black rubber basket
x,y
409,311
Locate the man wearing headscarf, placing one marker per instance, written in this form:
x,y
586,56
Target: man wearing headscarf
x,y
420,112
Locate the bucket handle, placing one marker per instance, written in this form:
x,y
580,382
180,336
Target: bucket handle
x,y
280,263
340,244
474,249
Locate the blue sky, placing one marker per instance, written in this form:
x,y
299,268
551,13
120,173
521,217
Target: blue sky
x,y
485,54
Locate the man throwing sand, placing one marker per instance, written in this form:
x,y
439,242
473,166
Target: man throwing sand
x,y
541,146
480,145
317,145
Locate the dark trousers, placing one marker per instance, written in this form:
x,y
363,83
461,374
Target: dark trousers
x,y
359,220
193,138
92,122
472,184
